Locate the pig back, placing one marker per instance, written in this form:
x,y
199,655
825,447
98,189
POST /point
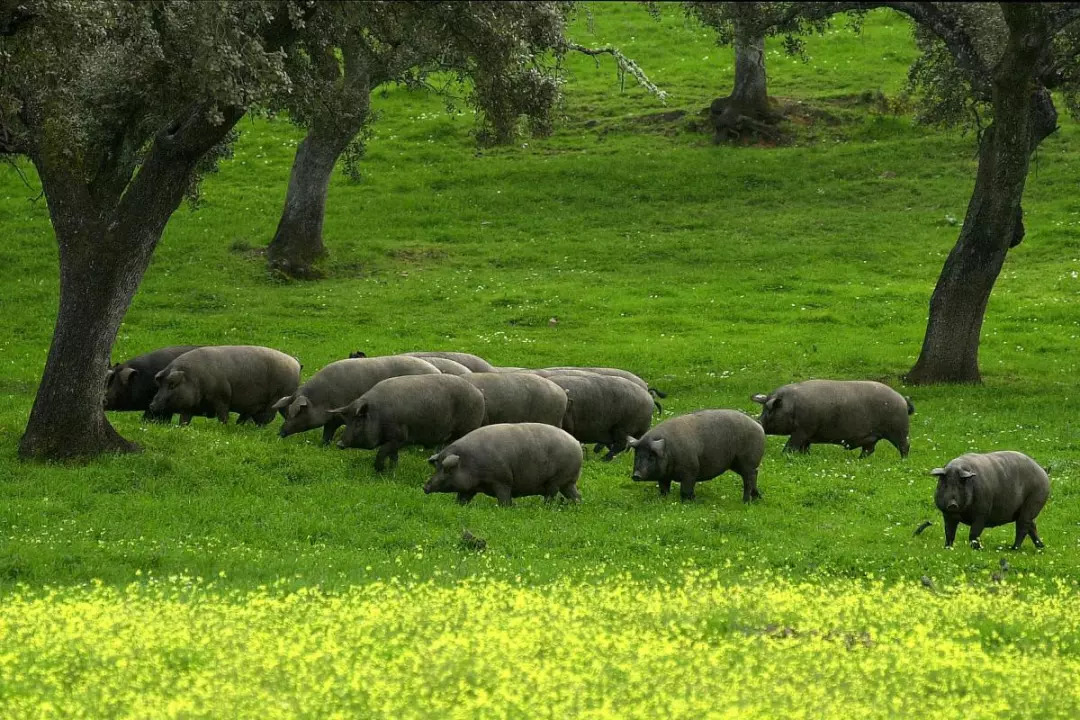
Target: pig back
x,y
526,456
343,381
519,397
255,376
836,410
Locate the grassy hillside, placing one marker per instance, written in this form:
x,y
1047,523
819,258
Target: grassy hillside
x,y
713,271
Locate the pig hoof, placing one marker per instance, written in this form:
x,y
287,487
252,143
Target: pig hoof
x,y
976,545
948,547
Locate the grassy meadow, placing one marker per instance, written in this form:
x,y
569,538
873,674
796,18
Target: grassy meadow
x,y
224,572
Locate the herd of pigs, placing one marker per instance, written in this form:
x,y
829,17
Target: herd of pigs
x,y
511,432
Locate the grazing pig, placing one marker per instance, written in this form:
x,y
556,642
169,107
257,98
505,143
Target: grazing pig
x,y
518,397
989,490
604,410
130,385
507,461
473,362
411,410
338,384
852,413
216,380
693,448
623,374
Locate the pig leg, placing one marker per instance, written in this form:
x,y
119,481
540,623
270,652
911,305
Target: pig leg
x,y
1021,533
665,487
977,526
686,489
950,530
387,450
798,442
901,444
264,417
464,498
506,498
221,412
1035,535
598,447
616,447
329,429
185,418
244,417
570,492
749,485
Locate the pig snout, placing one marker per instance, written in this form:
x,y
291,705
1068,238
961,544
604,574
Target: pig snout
x,y
429,487
952,506
636,476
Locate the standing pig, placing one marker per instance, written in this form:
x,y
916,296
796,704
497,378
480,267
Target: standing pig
x,y
604,410
447,366
518,397
697,447
216,380
338,384
131,386
411,410
989,490
507,461
852,413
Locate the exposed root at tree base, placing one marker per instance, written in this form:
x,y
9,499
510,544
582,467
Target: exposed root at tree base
x,y
56,446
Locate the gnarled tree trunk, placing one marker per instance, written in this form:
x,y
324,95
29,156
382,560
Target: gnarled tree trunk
x,y
298,241
1023,117
105,242
747,107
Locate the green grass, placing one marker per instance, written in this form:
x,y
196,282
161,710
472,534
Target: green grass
x,y
712,271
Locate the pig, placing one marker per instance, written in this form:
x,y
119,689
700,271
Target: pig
x,y
216,380
517,397
130,385
623,374
605,410
987,490
424,410
509,460
697,447
473,362
337,385
851,413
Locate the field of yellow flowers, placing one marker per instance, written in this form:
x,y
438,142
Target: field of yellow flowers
x,y
693,648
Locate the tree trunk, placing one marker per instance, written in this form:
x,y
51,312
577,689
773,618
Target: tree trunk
x,y
298,242
1023,117
98,276
750,94
747,108
105,243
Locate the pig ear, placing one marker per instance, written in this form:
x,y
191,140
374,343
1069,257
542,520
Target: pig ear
x,y
126,374
759,398
966,474
450,462
283,402
357,354
938,472
433,459
657,446
301,401
362,410
773,404
160,377
631,442
339,412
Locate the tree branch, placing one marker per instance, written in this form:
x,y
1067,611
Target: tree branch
x,y
1064,16
945,26
625,65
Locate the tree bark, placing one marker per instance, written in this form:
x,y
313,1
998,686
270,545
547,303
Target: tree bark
x,y
747,107
1024,115
298,243
105,246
